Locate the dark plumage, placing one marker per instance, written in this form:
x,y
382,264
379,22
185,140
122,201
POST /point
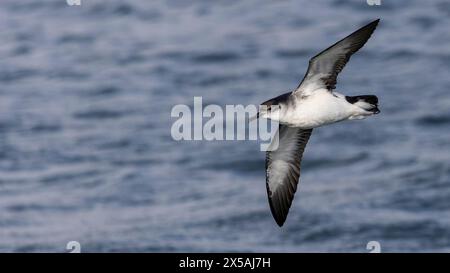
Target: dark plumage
x,y
283,164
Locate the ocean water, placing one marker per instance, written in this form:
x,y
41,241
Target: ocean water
x,y
85,147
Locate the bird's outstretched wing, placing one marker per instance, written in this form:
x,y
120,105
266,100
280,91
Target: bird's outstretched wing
x,y
325,66
283,169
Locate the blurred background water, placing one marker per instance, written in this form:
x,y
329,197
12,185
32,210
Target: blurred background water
x,y
85,146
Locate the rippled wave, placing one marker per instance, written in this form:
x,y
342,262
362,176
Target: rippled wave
x,y
85,146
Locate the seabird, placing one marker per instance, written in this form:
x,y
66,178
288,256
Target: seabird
x,y
312,104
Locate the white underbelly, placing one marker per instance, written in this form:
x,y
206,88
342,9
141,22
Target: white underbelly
x,y
317,110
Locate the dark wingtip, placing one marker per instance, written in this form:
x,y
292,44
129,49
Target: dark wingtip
x,y
277,216
280,223
370,26
373,25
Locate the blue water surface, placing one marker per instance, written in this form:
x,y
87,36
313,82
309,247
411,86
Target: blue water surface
x,y
85,147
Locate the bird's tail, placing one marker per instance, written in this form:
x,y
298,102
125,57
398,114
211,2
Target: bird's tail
x,y
366,102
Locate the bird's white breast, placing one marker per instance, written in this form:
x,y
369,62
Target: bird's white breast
x,y
321,107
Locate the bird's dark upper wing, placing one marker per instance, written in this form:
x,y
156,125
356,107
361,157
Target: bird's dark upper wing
x,y
325,66
283,169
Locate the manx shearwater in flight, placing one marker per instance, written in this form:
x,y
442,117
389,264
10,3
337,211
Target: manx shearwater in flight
x,y
312,104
